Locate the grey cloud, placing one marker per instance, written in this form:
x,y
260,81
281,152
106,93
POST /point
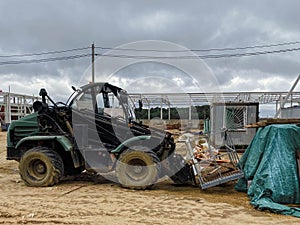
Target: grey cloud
x,y
37,26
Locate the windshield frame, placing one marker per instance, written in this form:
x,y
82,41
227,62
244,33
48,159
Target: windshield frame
x,y
128,106
96,88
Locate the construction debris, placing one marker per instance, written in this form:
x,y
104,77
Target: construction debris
x,y
210,167
270,121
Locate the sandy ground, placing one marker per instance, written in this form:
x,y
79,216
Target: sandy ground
x,y
103,202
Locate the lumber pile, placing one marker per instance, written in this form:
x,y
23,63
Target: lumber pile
x,y
270,121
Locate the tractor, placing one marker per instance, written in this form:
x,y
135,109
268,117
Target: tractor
x,y
96,131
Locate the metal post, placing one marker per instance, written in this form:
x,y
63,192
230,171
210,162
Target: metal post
x,y
161,109
7,109
282,103
190,109
93,63
149,111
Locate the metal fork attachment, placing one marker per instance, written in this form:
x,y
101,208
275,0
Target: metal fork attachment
x,y
212,166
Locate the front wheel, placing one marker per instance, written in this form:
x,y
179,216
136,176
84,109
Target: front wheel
x,y
41,167
137,169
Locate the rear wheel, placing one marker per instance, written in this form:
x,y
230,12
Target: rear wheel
x,y
41,167
137,169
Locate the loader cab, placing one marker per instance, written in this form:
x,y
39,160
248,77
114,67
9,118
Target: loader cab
x,y
105,111
105,100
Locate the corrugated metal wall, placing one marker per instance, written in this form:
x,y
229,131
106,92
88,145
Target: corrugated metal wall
x,y
292,112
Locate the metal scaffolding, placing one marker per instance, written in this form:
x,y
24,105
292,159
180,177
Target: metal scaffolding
x,y
14,106
168,100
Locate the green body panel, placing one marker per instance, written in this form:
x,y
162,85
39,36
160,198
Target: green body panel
x,y
30,120
26,126
129,141
8,141
67,145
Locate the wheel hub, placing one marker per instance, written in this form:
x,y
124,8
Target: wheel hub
x,y
40,168
137,169
37,169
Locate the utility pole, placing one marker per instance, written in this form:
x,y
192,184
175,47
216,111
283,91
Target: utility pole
x,y
93,63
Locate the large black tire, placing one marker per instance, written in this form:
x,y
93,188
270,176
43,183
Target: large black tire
x,y
137,168
41,167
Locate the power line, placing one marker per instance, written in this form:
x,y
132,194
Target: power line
x,y
213,56
249,53
151,50
181,57
44,53
43,60
191,57
202,50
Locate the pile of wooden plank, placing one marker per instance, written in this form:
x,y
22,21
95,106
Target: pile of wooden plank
x,y
270,121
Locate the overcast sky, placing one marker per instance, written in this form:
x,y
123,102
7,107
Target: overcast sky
x,y
35,26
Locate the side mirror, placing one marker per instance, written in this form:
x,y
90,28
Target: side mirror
x,y
140,105
43,93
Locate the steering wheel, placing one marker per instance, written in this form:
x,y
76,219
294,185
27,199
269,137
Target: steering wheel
x,y
60,103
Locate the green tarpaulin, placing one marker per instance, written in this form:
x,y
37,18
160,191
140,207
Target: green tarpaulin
x,y
270,164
